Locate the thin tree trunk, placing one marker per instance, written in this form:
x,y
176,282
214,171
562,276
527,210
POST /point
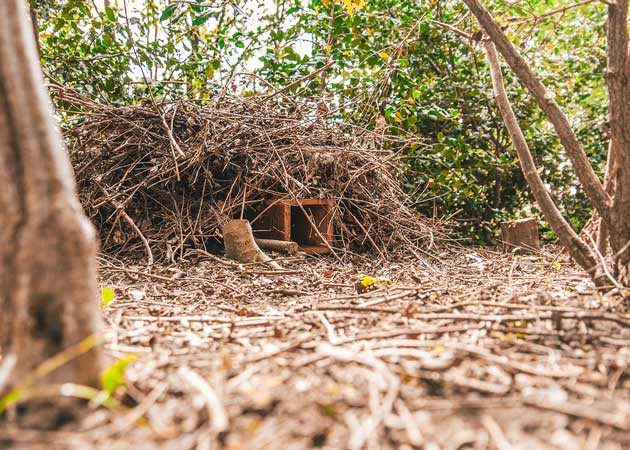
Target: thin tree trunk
x,y
612,163
35,25
582,166
613,205
568,237
47,246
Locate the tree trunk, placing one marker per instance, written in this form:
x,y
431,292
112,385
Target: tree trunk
x,y
520,235
618,81
35,25
47,246
546,101
578,249
611,201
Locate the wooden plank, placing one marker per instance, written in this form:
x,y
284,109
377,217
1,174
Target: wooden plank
x,y
275,223
284,220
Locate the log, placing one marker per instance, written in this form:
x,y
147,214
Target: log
x,y
520,234
276,245
240,244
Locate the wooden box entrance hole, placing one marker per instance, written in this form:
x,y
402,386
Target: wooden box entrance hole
x,y
285,220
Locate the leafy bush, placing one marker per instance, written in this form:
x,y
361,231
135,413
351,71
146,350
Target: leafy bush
x,y
393,59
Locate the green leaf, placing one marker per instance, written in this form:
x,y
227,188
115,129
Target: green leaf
x,y
111,15
107,297
168,12
114,376
200,20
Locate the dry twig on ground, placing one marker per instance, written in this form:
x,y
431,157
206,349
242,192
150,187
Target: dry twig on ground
x,y
237,154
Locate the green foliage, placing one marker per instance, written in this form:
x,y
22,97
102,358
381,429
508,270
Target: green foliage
x,y
87,50
392,59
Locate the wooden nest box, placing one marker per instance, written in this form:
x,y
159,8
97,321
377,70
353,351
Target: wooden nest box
x,y
285,220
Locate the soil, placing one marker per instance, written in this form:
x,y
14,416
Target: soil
x,y
467,349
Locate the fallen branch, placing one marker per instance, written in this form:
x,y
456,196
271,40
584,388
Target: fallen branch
x,y
275,245
216,411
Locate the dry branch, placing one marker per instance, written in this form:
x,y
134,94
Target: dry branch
x,y
578,249
238,153
216,411
275,245
546,101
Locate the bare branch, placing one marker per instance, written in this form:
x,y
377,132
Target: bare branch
x,y
452,28
568,237
538,18
589,180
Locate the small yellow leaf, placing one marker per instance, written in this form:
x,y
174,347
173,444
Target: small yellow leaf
x,y
332,389
327,409
12,397
261,399
253,425
353,6
107,297
383,55
114,376
368,281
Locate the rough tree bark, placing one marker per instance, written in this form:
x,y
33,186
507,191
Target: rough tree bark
x,y
47,246
613,201
240,244
35,24
618,81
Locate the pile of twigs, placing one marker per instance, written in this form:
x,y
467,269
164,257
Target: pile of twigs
x,y
163,178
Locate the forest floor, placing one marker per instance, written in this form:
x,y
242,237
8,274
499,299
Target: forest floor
x,y
469,349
